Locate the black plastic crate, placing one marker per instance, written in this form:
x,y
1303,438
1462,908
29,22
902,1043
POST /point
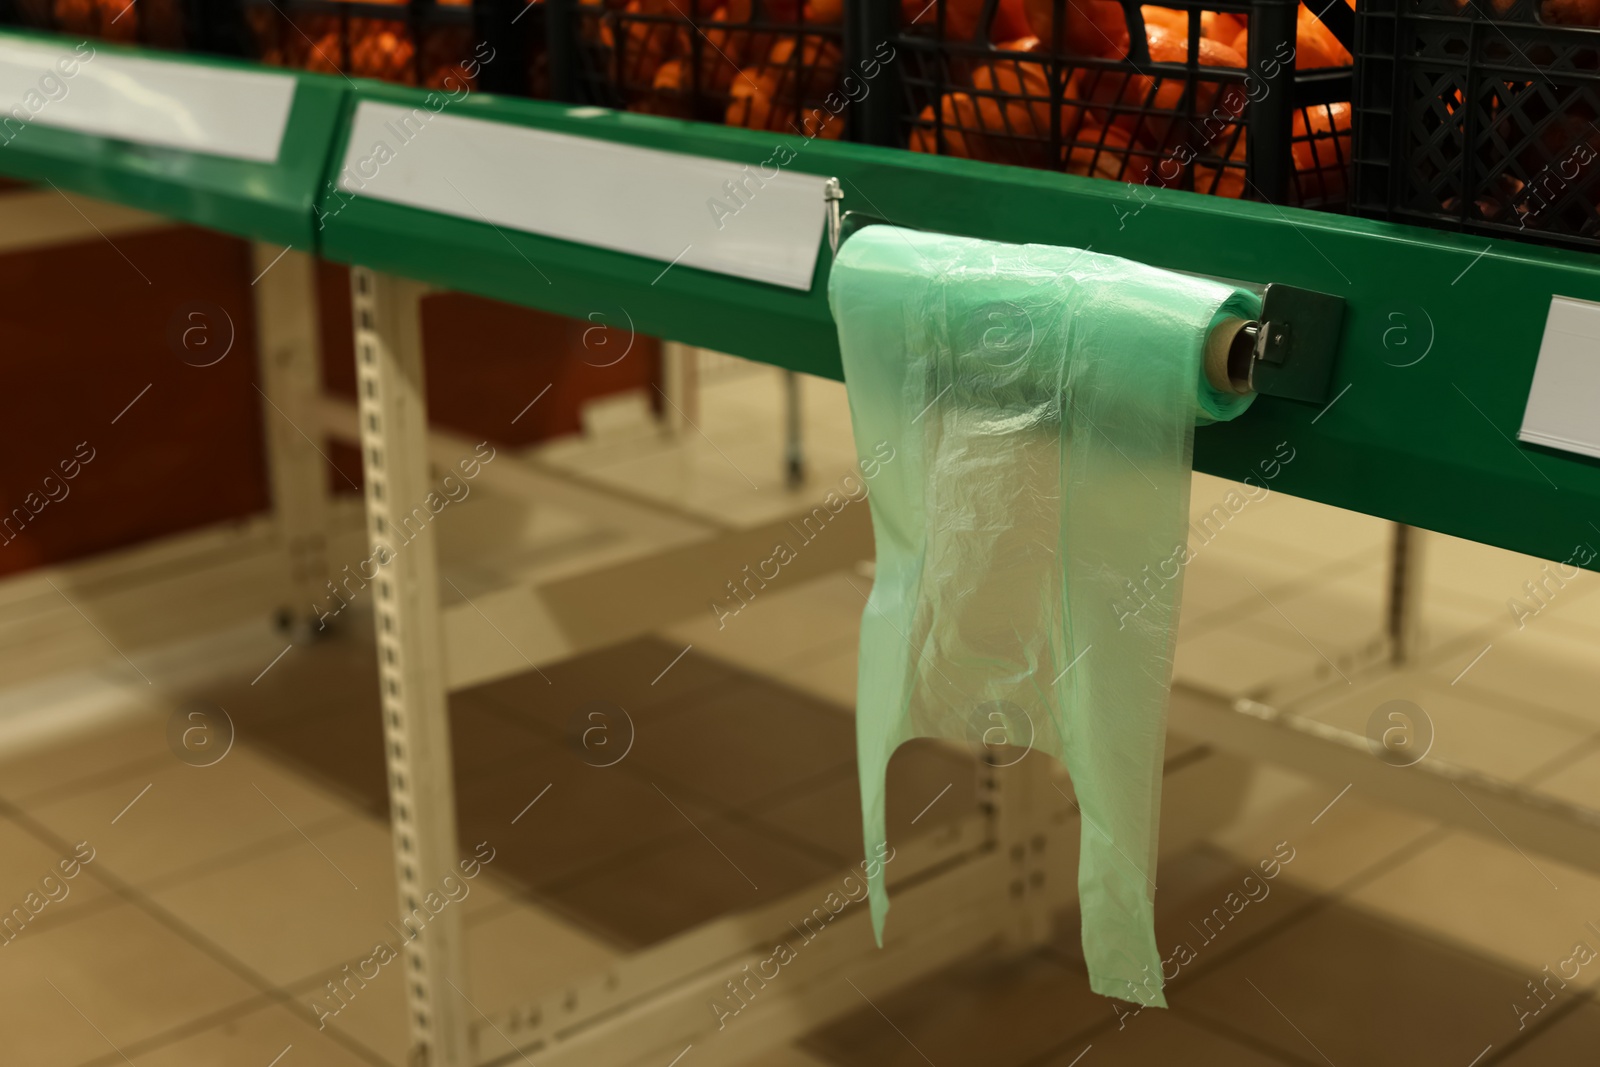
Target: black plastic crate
x,y
437,44
1125,93
174,24
1480,119
761,64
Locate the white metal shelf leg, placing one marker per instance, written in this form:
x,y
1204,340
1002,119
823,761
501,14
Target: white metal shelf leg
x,y
680,382
289,357
1022,803
394,428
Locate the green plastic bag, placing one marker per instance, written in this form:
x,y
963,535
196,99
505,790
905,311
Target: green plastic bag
x,y
1031,528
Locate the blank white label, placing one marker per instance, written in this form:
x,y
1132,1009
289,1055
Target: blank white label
x,y
661,205
1564,405
90,89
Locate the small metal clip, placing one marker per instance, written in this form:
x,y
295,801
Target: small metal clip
x,y
833,194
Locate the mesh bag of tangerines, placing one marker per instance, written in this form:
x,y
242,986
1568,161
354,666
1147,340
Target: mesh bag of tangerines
x,y
1146,94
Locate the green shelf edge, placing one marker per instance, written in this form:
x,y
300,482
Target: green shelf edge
x,y
261,201
1437,353
1429,441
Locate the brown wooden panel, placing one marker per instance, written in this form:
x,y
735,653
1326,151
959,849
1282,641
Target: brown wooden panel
x,y
86,328
487,360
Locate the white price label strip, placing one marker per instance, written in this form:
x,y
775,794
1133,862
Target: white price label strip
x,y
1564,404
88,88
752,222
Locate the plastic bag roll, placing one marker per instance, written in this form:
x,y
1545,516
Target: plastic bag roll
x,y
1031,529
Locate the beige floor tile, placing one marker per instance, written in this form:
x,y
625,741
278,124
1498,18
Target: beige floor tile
x,y
71,761
1484,733
1539,665
1578,783
33,882
1524,910
1216,583
1236,662
189,816
1336,615
1483,572
786,1056
372,1016
982,1012
930,783
118,970
303,910
1343,987
1296,528
1575,605
255,1038
710,870
523,952
830,676
782,625
1164,1037
743,743
1572,1038
1349,833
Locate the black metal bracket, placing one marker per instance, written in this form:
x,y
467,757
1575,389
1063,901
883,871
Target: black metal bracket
x,y
1295,345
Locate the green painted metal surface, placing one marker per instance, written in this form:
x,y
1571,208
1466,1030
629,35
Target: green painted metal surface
x,y
1437,354
269,202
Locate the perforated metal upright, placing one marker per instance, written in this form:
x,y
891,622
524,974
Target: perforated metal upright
x,y
394,432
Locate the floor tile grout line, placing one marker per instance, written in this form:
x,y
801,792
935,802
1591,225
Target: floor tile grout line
x,y
60,791
269,998
189,1028
1319,902
268,846
643,849
1523,1039
1244,1037
123,890
1323,575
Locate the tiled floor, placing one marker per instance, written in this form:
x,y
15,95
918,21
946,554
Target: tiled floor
x,y
631,793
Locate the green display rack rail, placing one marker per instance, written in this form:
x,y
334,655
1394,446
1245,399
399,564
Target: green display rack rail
x,y
1434,365
261,201
1435,360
